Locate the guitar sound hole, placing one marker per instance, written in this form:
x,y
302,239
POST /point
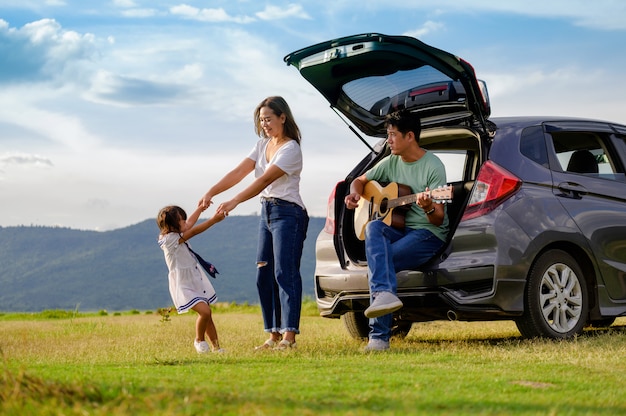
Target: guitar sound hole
x,y
383,206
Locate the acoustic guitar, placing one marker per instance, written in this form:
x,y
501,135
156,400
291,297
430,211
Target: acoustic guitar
x,y
390,204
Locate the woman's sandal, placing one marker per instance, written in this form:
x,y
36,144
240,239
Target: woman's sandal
x,y
267,345
285,345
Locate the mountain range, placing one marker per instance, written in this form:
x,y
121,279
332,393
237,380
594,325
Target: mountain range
x,y
43,268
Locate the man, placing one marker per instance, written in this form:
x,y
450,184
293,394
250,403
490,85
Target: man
x,y
390,249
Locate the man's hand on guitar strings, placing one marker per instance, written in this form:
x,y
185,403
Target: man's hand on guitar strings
x,y
423,200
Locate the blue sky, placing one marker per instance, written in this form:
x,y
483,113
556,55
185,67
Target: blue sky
x,y
110,110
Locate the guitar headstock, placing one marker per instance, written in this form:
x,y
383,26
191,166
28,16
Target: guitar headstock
x,y
442,194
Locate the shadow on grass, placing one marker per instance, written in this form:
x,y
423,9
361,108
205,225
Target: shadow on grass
x,y
588,333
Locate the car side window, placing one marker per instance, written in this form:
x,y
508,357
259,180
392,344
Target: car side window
x,y
533,145
585,153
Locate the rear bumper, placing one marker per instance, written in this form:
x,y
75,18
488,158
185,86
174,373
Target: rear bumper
x,y
477,281
336,295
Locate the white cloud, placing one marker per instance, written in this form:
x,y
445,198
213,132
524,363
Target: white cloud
x,y
124,3
275,12
207,15
20,107
427,28
140,13
42,50
565,91
602,15
24,159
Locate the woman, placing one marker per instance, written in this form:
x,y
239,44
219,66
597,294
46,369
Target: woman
x,y
276,160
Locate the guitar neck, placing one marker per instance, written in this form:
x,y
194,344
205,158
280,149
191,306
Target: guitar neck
x,y
404,200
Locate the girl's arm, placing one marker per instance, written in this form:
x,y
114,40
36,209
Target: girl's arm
x,y
271,174
191,221
197,229
193,218
229,180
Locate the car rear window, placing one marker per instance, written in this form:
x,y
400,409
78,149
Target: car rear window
x,y
423,86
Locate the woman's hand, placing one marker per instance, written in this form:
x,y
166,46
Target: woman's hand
x,y
205,201
226,207
218,216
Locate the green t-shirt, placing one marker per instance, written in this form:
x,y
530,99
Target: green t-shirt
x,y
428,171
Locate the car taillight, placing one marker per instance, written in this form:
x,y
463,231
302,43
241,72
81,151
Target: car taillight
x,y
493,186
329,226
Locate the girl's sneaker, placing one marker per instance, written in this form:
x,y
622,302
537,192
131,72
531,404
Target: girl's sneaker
x,y
201,346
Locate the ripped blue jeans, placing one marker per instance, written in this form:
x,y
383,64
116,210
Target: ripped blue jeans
x,y
282,232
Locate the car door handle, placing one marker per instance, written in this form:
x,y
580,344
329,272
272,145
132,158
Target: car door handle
x,y
572,190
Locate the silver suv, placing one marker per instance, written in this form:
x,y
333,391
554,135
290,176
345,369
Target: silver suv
x,y
538,213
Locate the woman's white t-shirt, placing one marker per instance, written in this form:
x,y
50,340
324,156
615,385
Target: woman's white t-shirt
x,y
289,159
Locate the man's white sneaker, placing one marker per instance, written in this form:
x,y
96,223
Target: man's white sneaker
x,y
375,344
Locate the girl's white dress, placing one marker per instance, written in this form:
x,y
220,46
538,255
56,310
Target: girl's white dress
x,y
187,281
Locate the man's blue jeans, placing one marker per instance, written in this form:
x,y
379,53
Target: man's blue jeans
x,y
282,232
389,249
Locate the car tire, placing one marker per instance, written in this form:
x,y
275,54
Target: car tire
x,y
358,326
556,302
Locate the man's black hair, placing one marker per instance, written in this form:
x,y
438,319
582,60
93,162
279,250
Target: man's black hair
x,y
405,121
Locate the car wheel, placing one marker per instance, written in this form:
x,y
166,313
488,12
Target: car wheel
x,y
358,326
555,305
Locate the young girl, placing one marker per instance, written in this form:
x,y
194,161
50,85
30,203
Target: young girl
x,y
189,286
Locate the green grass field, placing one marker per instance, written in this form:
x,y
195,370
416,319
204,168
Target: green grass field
x,y
142,364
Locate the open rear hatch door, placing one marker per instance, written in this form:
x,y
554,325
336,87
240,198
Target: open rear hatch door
x,y
366,77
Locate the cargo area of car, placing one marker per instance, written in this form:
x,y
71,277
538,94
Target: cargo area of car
x,y
355,248
462,142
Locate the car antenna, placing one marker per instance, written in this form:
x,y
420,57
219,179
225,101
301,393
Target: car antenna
x,y
351,127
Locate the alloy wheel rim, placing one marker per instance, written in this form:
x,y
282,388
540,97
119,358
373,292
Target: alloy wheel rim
x,y
561,298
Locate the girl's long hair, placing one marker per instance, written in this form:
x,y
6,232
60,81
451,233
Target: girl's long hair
x,y
169,218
